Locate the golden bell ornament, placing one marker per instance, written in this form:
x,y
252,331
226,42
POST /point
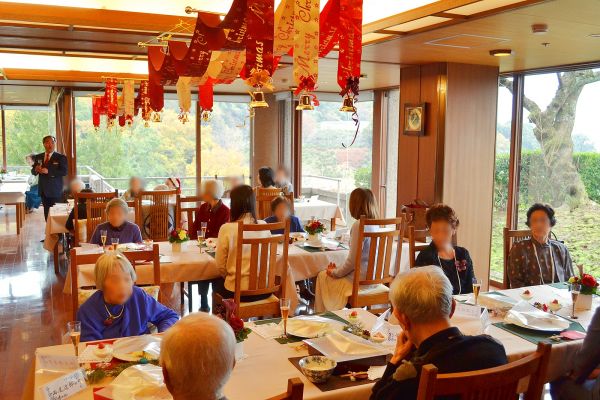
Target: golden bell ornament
x,y
146,124
258,100
348,105
305,103
156,117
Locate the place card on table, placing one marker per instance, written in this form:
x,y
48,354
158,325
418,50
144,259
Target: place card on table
x,y
473,312
57,362
65,386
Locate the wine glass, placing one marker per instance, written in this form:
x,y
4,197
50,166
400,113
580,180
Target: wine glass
x,y
575,289
284,306
203,226
476,288
115,242
74,332
103,235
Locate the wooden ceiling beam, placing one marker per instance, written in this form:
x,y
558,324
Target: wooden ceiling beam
x,y
66,76
95,18
417,13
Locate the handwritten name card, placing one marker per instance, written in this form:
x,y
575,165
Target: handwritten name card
x,y
65,386
57,362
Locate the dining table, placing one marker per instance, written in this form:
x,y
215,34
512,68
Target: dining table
x,y
12,193
193,263
268,362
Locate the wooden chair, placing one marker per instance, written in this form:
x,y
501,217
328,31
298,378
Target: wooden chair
x,y
295,391
156,209
264,197
135,258
492,383
133,207
263,269
187,205
95,207
379,268
510,237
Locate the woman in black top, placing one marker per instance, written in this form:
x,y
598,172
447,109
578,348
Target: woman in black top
x,y
455,261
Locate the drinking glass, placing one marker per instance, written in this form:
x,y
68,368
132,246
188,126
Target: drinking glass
x,y
575,289
203,226
74,332
284,306
103,235
115,242
476,288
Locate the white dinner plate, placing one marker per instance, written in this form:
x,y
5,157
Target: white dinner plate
x,y
314,244
312,326
537,321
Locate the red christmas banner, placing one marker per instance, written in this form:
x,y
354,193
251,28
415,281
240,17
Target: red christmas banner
x,y
110,97
350,42
329,23
206,96
157,96
259,40
237,25
97,110
306,44
161,68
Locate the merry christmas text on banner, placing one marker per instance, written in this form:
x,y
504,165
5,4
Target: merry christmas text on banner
x,y
306,44
259,40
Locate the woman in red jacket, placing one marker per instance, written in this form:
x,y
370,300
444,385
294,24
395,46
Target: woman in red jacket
x,y
215,214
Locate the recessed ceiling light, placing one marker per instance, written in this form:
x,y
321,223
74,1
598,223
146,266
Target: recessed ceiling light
x,y
595,35
501,53
539,29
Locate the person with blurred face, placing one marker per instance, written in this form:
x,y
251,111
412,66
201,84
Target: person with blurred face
x,y
281,209
539,260
423,305
118,226
282,179
118,308
136,185
51,167
455,261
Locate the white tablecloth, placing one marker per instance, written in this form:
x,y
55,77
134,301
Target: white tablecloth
x,y
265,371
13,191
319,209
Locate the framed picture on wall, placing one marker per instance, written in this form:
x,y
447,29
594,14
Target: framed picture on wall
x,y
414,119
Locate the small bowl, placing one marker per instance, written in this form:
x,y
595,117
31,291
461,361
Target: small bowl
x,y
375,338
526,296
317,368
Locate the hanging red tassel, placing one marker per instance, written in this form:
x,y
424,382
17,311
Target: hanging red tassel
x,y
110,97
96,110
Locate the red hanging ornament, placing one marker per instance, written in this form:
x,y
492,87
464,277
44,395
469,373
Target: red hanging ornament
x,y
96,110
110,98
259,41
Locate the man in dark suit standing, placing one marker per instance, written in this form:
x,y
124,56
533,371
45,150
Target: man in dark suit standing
x,y
51,168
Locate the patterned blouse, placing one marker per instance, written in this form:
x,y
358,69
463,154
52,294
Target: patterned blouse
x,y
524,268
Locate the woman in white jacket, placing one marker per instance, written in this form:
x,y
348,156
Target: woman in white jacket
x,y
243,208
334,285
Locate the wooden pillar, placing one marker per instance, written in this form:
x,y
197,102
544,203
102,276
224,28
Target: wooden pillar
x,y
198,148
3,122
65,130
297,149
379,155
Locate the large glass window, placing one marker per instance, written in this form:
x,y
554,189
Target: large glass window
x,y
225,141
112,156
25,129
329,169
560,157
503,131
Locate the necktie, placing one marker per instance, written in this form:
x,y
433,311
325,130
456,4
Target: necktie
x,y
46,159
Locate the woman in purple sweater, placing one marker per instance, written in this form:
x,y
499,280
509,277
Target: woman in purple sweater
x,y
117,226
119,308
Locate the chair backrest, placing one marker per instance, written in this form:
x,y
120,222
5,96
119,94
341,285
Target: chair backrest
x,y
510,238
492,383
156,209
379,266
133,205
263,259
414,246
187,205
264,197
95,208
134,257
295,391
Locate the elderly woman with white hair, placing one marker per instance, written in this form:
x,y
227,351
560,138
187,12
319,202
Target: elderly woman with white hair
x,y
423,304
117,226
197,356
214,213
119,308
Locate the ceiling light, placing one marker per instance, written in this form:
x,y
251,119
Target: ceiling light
x,y
539,29
501,53
595,35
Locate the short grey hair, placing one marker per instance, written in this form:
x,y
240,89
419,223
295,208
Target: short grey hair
x,y
214,188
423,294
198,353
117,202
107,262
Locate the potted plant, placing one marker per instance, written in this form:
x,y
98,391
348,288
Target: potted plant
x,y
227,312
314,229
589,287
177,237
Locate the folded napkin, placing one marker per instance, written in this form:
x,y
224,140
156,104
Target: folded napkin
x,y
268,331
376,372
307,328
525,315
347,345
138,382
147,343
